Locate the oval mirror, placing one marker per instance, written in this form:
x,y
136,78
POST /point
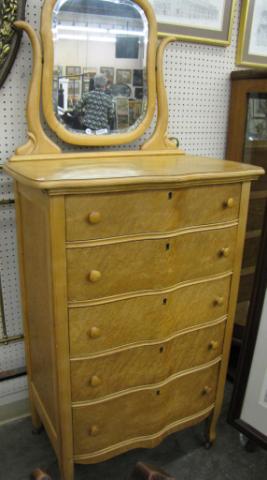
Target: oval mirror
x,y
99,69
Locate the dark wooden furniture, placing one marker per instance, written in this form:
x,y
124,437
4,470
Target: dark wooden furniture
x,y
248,346
247,142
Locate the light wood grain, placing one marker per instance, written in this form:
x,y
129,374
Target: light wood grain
x,y
143,412
38,142
61,335
148,441
150,211
120,323
38,285
130,263
36,421
49,427
95,378
159,139
231,312
149,264
124,170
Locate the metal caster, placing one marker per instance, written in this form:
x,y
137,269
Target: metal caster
x,y
208,445
37,430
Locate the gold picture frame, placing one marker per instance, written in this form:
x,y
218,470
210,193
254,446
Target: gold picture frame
x,y
252,40
191,22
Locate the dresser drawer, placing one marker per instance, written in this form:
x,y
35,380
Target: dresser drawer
x,y
146,318
109,215
145,365
143,412
118,268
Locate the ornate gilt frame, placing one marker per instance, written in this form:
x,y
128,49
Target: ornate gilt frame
x,y
11,10
100,140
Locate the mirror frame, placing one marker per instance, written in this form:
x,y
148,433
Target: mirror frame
x,y
47,82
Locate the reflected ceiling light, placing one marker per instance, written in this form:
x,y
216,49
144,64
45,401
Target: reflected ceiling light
x,y
113,31
127,32
85,38
76,28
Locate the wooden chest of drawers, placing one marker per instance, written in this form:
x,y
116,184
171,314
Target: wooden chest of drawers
x,y
129,273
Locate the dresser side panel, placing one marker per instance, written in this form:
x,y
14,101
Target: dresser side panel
x,y
36,259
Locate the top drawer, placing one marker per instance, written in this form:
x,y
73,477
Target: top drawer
x,y
117,214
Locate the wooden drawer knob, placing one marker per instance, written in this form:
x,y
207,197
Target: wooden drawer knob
x,y
95,381
207,390
94,332
94,217
213,345
94,276
224,252
229,203
218,301
93,430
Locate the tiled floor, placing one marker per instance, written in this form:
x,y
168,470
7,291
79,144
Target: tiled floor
x,y
182,455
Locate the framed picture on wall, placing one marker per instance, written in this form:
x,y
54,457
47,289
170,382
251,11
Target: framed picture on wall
x,y
108,72
70,70
252,40
123,75
196,21
89,71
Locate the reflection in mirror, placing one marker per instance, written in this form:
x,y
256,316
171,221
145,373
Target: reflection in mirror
x,y
100,58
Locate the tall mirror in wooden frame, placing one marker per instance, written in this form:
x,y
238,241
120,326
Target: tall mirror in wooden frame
x,y
99,83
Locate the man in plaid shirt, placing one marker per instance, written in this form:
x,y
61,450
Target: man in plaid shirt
x,y
95,109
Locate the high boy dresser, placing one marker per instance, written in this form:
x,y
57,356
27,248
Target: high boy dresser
x,y
129,264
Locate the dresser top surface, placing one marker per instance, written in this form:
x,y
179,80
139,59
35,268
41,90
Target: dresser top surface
x,y
130,168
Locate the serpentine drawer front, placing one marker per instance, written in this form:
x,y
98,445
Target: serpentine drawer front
x,y
118,268
115,214
106,326
143,412
129,286
144,365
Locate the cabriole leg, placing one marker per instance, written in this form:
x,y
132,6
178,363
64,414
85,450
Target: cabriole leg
x,y
210,431
66,470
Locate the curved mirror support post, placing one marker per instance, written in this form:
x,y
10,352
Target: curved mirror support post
x,y
38,142
159,139
99,69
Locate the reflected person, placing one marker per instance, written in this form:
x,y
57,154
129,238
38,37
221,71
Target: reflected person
x,y
95,109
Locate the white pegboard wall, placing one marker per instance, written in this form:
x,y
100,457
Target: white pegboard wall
x,y
198,86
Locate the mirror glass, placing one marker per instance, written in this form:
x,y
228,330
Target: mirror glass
x,y
100,58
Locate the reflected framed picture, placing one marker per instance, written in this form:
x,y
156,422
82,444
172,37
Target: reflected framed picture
x,y
108,72
259,107
252,40
123,75
89,71
200,21
70,70
138,78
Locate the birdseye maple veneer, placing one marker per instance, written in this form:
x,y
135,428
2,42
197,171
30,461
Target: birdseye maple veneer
x,y
130,270
130,265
